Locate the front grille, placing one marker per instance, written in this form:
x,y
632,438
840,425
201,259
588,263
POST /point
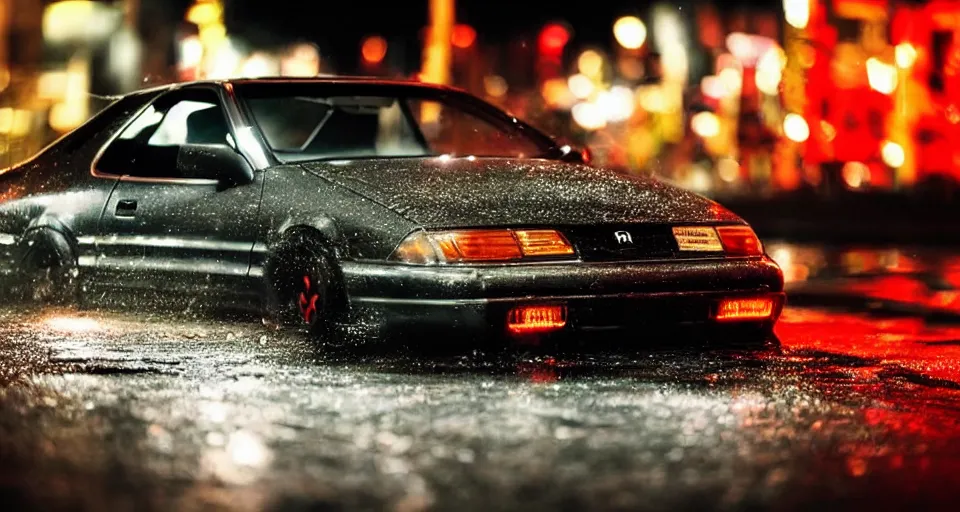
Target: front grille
x,y
627,242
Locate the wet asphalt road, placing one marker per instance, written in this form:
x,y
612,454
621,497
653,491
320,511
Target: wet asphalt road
x,y
106,411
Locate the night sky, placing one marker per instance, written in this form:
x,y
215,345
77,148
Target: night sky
x,y
338,27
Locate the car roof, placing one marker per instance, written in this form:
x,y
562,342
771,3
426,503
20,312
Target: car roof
x,y
332,79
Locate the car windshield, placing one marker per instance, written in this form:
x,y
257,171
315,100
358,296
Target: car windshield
x,y
303,122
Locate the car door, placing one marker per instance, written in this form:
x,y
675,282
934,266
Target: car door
x,y
162,229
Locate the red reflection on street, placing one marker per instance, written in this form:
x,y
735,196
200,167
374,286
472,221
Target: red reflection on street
x,y
928,351
908,368
540,372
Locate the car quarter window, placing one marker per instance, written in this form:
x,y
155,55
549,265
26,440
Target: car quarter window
x,y
149,146
452,130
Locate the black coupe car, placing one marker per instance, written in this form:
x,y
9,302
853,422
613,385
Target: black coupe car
x,y
343,200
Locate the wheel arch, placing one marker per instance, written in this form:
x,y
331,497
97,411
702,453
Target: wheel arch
x,y
319,237
51,233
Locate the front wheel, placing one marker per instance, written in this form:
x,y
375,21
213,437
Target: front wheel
x,y
307,291
49,273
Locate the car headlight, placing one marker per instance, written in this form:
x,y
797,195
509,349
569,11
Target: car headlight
x,y
482,246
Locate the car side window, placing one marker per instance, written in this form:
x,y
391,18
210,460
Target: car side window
x,y
149,146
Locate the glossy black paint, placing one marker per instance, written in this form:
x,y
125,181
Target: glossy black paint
x,y
214,227
439,193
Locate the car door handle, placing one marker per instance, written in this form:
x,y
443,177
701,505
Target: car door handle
x,y
126,208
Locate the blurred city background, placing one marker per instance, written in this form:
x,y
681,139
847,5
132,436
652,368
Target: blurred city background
x,y
796,99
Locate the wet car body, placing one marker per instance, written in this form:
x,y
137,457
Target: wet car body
x,y
117,218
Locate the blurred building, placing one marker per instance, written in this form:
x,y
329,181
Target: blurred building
x,y
21,54
880,100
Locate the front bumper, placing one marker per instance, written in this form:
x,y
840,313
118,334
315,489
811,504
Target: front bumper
x,y
599,296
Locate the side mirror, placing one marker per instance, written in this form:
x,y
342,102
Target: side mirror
x,y
573,154
214,162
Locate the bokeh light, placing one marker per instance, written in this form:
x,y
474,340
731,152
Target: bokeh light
x,y
589,116
630,32
795,128
553,38
893,154
732,80
769,70
713,87
705,124
728,169
797,13
556,93
495,86
882,77
581,86
590,63
463,36
616,104
374,49
905,55
855,174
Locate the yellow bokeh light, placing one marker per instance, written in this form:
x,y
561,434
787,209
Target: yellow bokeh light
x,y
705,124
590,63
15,122
652,99
205,13
905,54
829,132
795,128
581,86
556,93
728,169
882,77
855,174
770,70
893,154
731,79
52,85
797,13
495,86
589,116
630,32
616,104
212,36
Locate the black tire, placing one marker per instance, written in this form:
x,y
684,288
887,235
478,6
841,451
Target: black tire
x,y
49,274
307,289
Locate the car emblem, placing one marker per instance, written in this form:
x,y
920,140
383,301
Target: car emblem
x,y
623,237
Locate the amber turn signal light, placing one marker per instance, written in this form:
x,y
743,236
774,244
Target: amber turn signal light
x,y
731,310
543,242
740,241
536,319
482,246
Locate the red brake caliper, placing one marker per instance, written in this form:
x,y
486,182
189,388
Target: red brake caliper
x,y
308,301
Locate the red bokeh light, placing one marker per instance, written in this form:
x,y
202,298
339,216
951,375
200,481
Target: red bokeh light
x,y
374,49
553,38
463,36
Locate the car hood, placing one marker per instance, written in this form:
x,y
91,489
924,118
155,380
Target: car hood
x,y
461,192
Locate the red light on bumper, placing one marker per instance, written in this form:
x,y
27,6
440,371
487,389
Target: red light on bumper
x,y
732,310
536,319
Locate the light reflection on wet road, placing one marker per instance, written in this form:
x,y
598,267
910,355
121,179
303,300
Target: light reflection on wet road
x,y
105,411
